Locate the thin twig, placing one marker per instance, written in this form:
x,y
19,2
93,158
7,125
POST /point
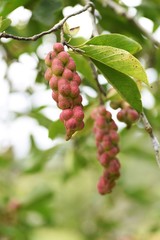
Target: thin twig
x,y
122,12
53,29
149,130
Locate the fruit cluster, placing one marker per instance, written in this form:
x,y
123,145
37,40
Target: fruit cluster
x,y
127,114
64,82
107,138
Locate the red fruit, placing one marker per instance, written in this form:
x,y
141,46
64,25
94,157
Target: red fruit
x,y
114,136
80,126
114,166
132,115
48,74
74,90
53,82
55,95
112,125
113,152
64,103
48,59
64,57
64,87
76,78
67,74
104,159
57,70
102,110
121,115
66,114
103,186
78,113
71,124
77,100
99,136
71,65
107,144
100,122
58,47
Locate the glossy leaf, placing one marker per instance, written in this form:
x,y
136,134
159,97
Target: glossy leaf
x,y
117,59
116,40
124,85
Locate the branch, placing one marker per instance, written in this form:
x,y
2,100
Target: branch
x,y
122,12
53,29
149,130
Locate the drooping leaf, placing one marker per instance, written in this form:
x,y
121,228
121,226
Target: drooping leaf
x,y
116,40
124,85
117,59
56,129
5,23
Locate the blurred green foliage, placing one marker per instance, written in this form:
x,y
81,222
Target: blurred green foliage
x,y
51,194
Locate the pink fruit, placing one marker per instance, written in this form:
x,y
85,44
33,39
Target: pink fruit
x,y
66,114
48,74
64,57
67,74
53,82
58,47
76,78
49,58
71,65
71,124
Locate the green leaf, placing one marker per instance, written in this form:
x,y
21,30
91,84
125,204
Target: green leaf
x,y
5,23
116,40
124,85
56,129
117,59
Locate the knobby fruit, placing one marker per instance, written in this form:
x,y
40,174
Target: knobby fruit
x,y
106,136
64,82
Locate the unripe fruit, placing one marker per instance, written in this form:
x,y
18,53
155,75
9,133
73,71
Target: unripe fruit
x,y
63,57
121,115
132,115
104,159
77,100
57,67
80,126
58,47
101,122
48,74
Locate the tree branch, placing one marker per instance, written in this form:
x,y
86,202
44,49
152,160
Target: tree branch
x,y
149,130
122,12
53,29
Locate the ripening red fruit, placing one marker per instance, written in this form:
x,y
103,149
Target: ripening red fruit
x,y
101,122
114,136
114,166
67,74
63,57
64,87
80,126
77,100
53,82
74,90
48,74
64,103
71,65
66,114
78,113
55,95
71,124
49,58
76,78
132,115
103,186
121,115
58,47
104,159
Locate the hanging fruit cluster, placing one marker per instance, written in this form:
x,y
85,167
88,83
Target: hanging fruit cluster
x,y
107,138
64,82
